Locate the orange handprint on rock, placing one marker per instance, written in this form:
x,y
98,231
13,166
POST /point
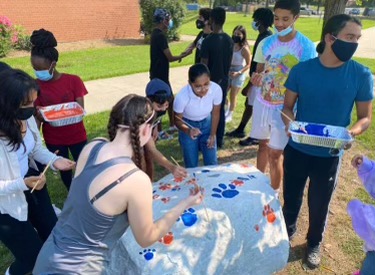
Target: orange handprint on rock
x,y
166,199
167,239
165,186
178,179
269,213
238,182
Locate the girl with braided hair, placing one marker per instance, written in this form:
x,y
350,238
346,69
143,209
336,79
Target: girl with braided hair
x,y
57,88
109,192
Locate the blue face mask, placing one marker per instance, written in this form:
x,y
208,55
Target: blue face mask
x,y
44,75
284,32
170,25
255,26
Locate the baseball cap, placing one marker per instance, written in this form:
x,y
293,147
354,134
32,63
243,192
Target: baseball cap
x,y
158,91
161,14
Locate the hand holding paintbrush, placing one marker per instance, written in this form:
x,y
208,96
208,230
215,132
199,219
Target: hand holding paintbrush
x,y
293,121
193,131
178,171
41,177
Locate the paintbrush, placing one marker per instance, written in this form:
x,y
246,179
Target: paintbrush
x,y
44,171
204,204
187,124
293,121
175,161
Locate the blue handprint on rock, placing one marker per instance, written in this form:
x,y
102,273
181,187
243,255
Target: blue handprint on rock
x,y
148,254
224,191
189,217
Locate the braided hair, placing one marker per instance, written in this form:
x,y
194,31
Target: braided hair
x,y
132,110
43,45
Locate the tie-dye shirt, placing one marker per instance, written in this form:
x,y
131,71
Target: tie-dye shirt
x,y
279,58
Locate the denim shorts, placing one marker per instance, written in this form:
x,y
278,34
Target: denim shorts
x,y
239,80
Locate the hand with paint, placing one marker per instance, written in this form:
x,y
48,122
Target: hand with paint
x,y
357,161
196,196
194,133
179,172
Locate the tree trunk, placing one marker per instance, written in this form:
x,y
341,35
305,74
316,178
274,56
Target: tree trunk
x,y
333,7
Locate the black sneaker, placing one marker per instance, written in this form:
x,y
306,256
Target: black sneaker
x,y
249,141
236,134
313,256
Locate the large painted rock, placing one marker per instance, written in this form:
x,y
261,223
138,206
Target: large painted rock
x,y
239,229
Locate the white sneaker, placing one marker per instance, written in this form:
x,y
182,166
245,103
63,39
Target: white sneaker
x,y
229,117
57,210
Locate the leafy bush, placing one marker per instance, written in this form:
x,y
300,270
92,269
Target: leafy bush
x,y
175,7
5,35
20,39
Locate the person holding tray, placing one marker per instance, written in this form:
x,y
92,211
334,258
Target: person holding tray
x,y
324,90
26,217
57,88
109,193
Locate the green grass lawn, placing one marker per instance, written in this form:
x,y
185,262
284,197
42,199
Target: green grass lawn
x,y
309,26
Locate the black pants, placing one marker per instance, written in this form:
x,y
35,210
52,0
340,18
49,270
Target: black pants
x,y
25,238
322,174
221,127
75,150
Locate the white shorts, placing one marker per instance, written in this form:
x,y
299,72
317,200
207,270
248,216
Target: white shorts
x,y
252,94
267,124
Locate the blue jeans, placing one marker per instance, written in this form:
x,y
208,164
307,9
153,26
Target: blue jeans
x,y
191,147
368,265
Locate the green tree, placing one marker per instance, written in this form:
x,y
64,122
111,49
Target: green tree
x,y
175,7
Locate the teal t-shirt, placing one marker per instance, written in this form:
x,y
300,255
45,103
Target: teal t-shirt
x,y
327,95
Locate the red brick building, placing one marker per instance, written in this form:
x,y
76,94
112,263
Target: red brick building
x,y
76,20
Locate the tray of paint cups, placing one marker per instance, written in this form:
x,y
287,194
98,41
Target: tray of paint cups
x,y
320,134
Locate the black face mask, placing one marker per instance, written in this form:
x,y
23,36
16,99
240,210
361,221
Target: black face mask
x,y
199,24
25,113
344,50
160,113
236,39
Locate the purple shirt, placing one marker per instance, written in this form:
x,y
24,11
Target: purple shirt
x,y
363,215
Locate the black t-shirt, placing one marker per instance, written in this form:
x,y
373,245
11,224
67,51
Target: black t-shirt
x,y
159,67
261,36
218,49
198,44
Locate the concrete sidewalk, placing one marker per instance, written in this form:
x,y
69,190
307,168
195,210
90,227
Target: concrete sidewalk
x,y
104,93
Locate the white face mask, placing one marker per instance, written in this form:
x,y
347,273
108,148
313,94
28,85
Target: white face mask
x,y
284,32
255,26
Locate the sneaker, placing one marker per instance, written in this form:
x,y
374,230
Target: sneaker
x,y
228,118
249,141
313,256
57,210
236,134
226,112
164,136
172,129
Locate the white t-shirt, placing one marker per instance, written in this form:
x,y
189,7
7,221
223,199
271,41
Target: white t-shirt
x,y
194,107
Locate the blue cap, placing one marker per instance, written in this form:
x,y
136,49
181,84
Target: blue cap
x,y
159,91
160,15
